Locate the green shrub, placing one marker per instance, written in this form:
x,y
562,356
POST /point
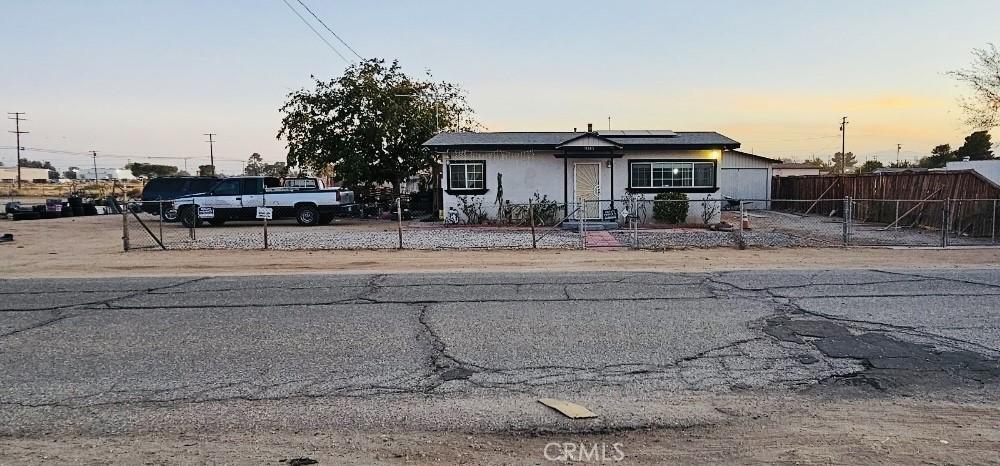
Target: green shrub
x,y
670,212
546,211
472,208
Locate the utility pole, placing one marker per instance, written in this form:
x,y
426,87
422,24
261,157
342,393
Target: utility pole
x,y
898,148
94,152
843,145
211,151
17,131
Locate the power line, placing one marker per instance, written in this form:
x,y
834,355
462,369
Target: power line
x,y
115,156
331,30
328,44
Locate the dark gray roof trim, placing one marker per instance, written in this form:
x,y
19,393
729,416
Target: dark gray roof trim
x,y
549,140
769,159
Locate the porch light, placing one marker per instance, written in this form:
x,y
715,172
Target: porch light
x,y
715,154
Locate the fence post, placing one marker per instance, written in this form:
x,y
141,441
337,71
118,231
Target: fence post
x,y
161,225
194,222
125,226
944,222
897,214
846,212
579,219
635,221
265,233
740,241
531,215
399,220
993,224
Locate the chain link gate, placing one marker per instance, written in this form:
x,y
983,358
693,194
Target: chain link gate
x,y
149,225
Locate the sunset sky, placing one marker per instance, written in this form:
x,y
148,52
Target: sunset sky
x,y
145,78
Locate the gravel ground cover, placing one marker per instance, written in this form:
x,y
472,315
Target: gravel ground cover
x,y
334,238
666,239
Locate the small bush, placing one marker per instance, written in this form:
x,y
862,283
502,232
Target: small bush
x,y
546,211
709,209
670,212
472,208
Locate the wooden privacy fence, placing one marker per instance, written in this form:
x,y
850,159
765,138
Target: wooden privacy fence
x,y
906,199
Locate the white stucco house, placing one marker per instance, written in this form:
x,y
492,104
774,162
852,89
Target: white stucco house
x,y
601,166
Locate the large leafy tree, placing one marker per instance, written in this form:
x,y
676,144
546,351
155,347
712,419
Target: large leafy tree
x,y
369,124
940,156
842,163
870,166
982,107
977,147
25,163
151,170
255,165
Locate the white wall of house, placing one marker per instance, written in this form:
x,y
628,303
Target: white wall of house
x,y
528,172
988,168
746,177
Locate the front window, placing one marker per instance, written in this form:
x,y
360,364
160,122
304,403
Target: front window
x,y
466,175
672,175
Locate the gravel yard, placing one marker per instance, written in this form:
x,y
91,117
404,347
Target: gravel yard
x,y
688,238
342,238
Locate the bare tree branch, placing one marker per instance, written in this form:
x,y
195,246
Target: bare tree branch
x,y
982,107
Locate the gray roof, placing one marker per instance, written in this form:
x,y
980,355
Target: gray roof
x,y
549,140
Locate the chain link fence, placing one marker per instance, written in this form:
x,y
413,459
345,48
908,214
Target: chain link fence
x,y
632,223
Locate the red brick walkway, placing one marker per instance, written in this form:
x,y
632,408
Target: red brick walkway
x,y
601,239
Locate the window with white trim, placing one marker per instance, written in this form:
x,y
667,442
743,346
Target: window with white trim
x,y
672,175
466,175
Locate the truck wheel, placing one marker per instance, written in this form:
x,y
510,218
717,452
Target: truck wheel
x,y
307,215
169,215
189,217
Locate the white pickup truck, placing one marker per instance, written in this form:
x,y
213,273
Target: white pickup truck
x,y
238,198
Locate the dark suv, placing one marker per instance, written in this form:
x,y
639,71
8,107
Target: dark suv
x,y
168,188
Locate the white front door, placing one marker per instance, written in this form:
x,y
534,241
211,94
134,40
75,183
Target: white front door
x,y
587,188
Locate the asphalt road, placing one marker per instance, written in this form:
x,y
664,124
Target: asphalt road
x,y
474,351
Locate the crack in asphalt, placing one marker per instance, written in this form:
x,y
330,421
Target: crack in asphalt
x,y
445,368
59,310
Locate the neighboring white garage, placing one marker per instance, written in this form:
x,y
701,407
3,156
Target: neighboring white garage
x,y
746,176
